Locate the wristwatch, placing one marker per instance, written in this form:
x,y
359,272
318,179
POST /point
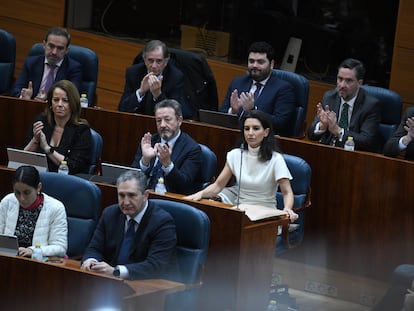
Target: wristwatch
x,y
116,272
51,150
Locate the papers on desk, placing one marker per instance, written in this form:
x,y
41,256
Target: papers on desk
x,y
258,212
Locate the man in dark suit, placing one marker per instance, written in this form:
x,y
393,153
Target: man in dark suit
x,y
359,113
402,141
261,89
40,72
171,153
153,80
134,239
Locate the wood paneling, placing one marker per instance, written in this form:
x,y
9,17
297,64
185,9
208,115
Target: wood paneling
x,y
402,75
40,12
404,36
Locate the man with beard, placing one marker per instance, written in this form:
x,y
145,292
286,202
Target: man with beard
x,y
348,111
41,71
171,153
261,89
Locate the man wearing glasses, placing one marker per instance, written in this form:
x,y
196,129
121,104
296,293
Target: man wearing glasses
x,y
151,81
41,71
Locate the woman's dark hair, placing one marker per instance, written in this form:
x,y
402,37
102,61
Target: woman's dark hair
x,y
269,143
28,175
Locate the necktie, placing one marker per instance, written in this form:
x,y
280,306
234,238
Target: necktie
x,y
257,92
126,243
156,173
50,77
343,121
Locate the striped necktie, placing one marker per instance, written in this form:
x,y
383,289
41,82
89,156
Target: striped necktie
x,y
50,77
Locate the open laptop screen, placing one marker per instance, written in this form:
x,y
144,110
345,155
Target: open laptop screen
x,y
9,245
114,171
18,157
219,118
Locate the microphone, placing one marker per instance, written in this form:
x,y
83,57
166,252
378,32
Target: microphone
x,y
241,163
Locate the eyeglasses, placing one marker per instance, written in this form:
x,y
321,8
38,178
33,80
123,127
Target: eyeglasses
x,y
51,46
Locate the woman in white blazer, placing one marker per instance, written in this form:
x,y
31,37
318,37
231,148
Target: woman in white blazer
x,y
33,216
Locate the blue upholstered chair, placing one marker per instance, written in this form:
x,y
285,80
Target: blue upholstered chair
x,y
7,61
193,236
301,87
82,200
301,186
209,165
96,151
391,107
89,61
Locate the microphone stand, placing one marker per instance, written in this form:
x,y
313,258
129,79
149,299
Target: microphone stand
x,y
241,163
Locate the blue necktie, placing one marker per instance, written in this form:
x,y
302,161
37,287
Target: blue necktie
x,y
156,173
257,92
126,243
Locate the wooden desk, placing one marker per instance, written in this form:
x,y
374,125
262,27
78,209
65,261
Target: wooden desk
x,y
31,285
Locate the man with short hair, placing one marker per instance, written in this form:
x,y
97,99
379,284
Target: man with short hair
x,y
171,153
41,71
261,89
348,110
134,239
152,81
402,141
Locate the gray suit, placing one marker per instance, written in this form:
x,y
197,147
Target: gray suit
x,y
363,125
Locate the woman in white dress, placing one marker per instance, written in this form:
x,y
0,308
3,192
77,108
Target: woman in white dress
x,y
258,167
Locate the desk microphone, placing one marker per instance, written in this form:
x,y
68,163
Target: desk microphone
x,y
241,162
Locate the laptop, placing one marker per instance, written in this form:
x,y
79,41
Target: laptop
x,y
114,171
9,245
219,118
18,157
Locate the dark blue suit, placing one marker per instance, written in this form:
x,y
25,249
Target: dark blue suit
x,y
33,71
363,125
277,99
153,254
185,177
391,146
172,87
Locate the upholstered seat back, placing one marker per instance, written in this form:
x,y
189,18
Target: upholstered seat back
x,y
7,61
391,109
301,89
89,61
301,182
209,165
193,236
96,151
82,200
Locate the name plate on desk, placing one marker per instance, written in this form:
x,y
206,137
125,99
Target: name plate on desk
x,y
259,212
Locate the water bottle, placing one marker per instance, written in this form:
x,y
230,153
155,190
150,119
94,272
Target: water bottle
x,y
84,100
37,253
160,187
63,168
349,144
272,305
